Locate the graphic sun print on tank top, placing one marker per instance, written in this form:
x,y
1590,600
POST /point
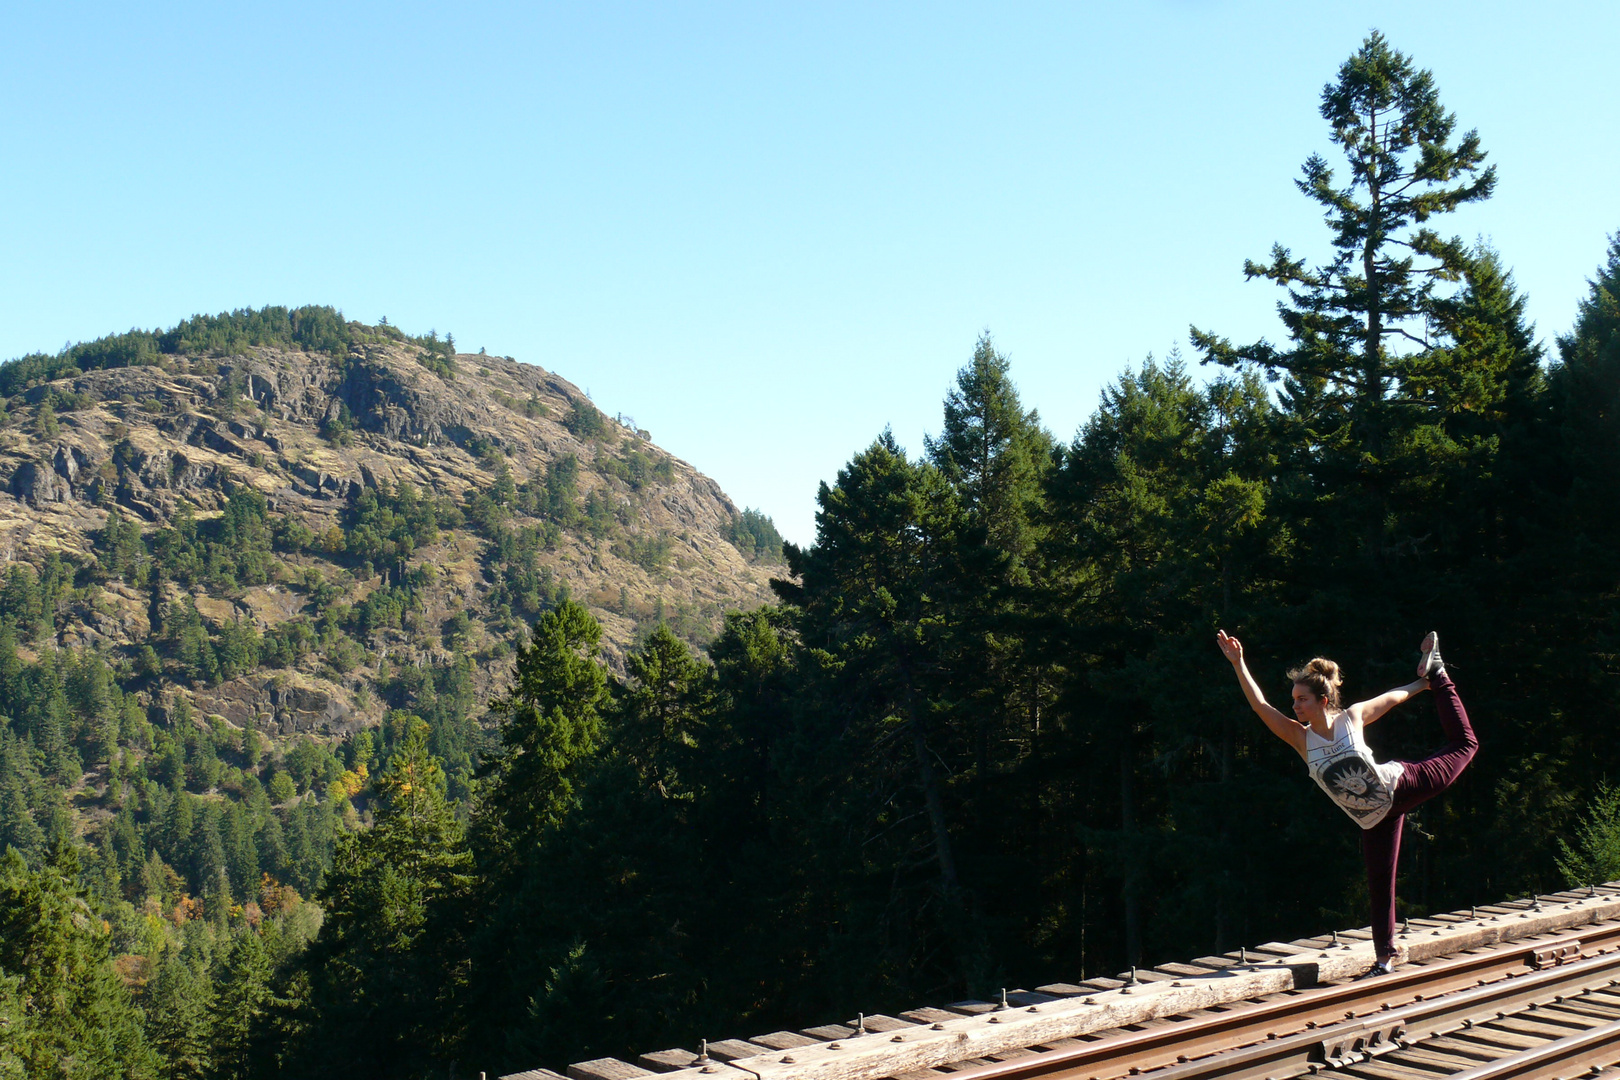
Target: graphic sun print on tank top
x,y
1343,766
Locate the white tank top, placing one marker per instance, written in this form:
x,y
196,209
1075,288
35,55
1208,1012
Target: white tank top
x,y
1343,767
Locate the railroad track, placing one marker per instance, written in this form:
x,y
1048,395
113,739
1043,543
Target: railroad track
x,y
1547,1008
1525,989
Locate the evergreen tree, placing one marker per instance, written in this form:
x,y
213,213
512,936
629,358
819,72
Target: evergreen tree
x,y
993,453
177,1018
659,714
873,606
551,730
15,1031
551,722
390,957
241,1010
1362,327
79,1021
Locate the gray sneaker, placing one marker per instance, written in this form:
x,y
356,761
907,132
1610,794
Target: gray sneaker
x,y
1431,664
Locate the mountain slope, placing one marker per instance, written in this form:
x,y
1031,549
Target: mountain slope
x,y
320,514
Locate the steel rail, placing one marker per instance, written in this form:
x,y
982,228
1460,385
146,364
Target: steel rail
x,y
1566,1057
1304,1027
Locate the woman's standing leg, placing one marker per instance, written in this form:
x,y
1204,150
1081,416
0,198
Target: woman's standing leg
x,y
1381,851
1420,781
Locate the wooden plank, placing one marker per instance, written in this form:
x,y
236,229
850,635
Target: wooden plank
x,y
829,1032
731,1049
606,1069
1590,1010
666,1060
1145,975
880,1023
534,1074
1384,1069
783,1040
971,1008
1278,948
929,1015
1023,999
715,1071
1060,990
1423,1057
1473,1051
1494,1036
1216,963
1534,1028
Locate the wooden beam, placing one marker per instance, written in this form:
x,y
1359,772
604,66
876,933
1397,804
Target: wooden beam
x,y
605,1069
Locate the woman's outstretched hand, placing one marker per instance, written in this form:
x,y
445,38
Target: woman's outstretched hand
x,y
1231,647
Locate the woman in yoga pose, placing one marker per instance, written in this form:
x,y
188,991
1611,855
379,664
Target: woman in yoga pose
x,y
1375,795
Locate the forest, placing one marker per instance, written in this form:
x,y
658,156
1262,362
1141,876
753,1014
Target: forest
x,y
984,738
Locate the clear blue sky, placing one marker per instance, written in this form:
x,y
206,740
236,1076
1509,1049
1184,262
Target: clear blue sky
x,y
763,230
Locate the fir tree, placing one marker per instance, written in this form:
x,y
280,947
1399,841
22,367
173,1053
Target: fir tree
x,y
659,714
177,1018
1363,327
79,1020
241,1010
390,957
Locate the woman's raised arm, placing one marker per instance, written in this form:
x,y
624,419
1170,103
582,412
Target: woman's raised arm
x,y
1283,726
1365,712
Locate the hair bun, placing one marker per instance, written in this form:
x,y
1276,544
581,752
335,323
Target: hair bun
x,y
1327,669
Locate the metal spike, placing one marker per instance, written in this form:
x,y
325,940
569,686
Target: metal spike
x,y
703,1057
860,1023
1243,956
1537,904
1335,937
1473,911
1003,997
1133,975
1406,927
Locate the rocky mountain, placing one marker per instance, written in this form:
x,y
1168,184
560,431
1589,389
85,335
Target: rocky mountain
x,y
273,518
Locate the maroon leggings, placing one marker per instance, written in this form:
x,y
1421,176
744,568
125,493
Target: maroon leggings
x,y
1420,781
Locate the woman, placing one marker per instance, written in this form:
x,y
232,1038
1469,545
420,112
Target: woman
x,y
1376,796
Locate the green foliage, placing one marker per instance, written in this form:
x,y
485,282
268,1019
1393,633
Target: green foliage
x,y
313,329
636,469
754,534
240,1009
1003,630
30,599
651,553
386,526
657,726
438,356
45,421
77,1020
551,723
177,1015
338,427
1595,855
386,968
229,551
584,420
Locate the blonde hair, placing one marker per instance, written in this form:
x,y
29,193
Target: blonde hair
x,y
1321,677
